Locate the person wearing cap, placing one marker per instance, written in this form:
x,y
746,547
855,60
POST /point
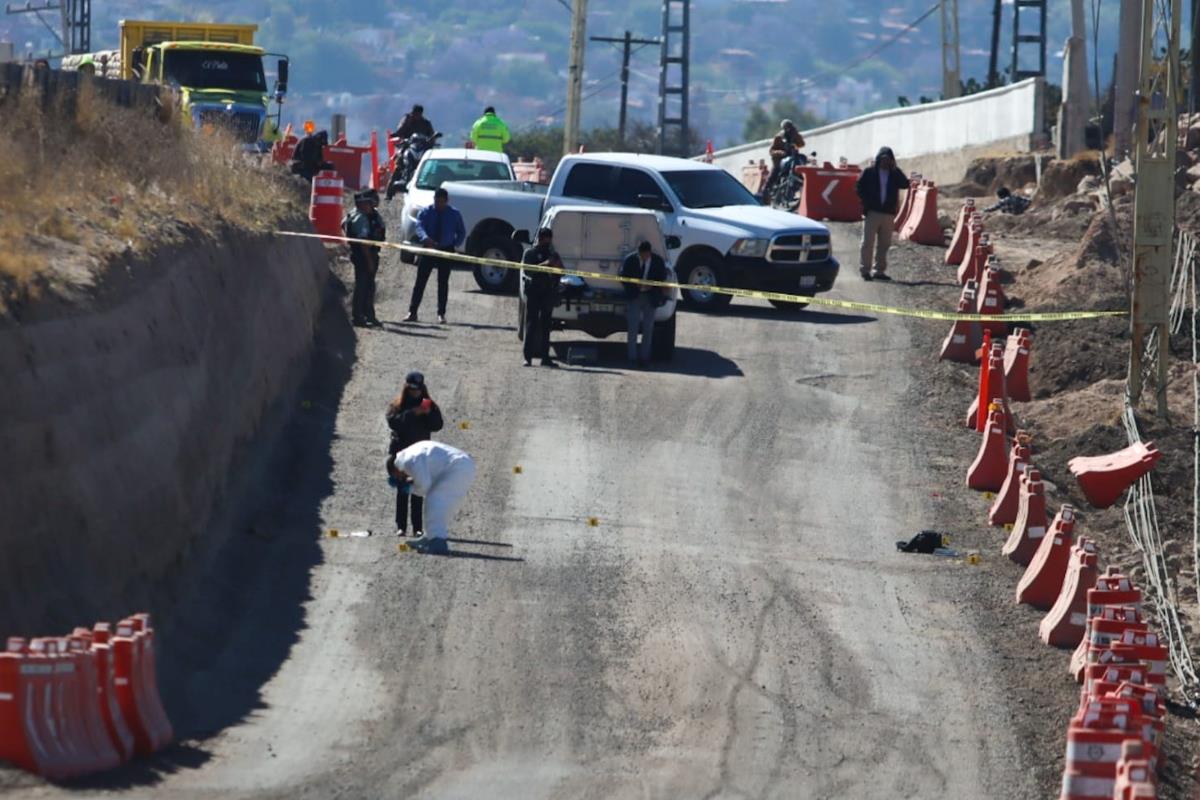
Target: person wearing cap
x,y
785,144
413,122
309,156
364,222
439,227
490,132
412,417
442,475
642,301
541,295
879,188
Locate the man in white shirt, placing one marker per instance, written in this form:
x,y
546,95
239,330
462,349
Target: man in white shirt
x,y
442,475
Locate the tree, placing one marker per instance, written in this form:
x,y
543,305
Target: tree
x,y
761,124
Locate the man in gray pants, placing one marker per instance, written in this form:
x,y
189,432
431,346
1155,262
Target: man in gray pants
x,y
643,300
879,190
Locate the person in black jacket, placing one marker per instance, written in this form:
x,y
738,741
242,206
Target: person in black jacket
x,y
643,300
309,156
879,189
412,417
541,294
413,122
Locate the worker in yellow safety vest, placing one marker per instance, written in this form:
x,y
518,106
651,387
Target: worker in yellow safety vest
x,y
489,132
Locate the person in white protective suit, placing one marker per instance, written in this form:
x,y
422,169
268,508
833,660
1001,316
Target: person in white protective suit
x,y
441,474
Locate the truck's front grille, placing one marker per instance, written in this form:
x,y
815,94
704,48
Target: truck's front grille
x,y
243,124
799,248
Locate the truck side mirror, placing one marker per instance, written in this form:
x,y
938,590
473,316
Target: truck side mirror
x,y
281,80
521,237
653,202
674,243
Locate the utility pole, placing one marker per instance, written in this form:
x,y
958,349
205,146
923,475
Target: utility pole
x,y
951,67
1072,121
1193,61
575,75
1126,78
993,76
1154,198
1023,35
627,41
673,77
75,22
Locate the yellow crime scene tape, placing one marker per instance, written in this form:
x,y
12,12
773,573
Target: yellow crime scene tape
x,y
828,302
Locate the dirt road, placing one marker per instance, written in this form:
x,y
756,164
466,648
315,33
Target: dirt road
x,y
737,624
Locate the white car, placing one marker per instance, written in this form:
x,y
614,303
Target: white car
x,y
443,165
598,239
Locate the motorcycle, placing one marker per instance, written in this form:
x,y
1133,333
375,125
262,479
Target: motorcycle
x,y
404,163
785,193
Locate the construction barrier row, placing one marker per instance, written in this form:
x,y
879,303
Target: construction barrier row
x,y
76,705
1113,739
347,159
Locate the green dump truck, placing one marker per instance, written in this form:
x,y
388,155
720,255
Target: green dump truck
x,y
214,68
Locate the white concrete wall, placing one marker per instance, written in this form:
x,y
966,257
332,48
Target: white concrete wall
x,y
1008,118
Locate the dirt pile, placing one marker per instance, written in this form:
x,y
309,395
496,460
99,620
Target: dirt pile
x,y
87,182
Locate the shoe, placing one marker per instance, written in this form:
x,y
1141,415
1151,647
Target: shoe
x,y
880,276
549,362
412,317
866,274
427,544
441,319
529,362
374,323
358,322
401,532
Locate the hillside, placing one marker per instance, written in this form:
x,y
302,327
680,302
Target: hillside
x,y
374,58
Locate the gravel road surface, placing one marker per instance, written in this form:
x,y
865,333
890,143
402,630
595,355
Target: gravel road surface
x,y
689,589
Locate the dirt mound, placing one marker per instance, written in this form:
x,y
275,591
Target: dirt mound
x,y
985,175
1089,276
1061,179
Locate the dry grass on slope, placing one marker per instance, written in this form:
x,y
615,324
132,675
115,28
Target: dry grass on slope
x,y
82,187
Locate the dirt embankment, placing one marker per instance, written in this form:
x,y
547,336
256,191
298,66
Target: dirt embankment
x,y
123,412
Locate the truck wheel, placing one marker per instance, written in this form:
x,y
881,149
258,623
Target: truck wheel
x,y
493,279
705,269
521,319
786,305
662,347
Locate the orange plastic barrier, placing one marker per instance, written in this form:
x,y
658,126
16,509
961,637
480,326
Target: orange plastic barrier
x,y
987,472
754,176
110,710
1004,508
23,741
989,279
1063,624
373,149
325,210
348,161
1030,526
1043,579
991,384
1135,775
957,250
1104,479
1134,646
829,193
906,205
137,689
1016,365
1112,590
980,253
1102,629
992,302
921,223
87,705
282,150
964,337
1094,740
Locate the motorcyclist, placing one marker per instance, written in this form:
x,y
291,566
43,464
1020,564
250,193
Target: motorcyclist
x,y
413,122
785,145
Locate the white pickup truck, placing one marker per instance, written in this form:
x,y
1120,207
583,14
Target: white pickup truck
x,y
727,237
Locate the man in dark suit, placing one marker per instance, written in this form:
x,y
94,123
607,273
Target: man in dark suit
x,y
879,189
643,300
541,295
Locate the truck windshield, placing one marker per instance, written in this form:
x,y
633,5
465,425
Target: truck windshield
x,y
214,69
708,188
436,171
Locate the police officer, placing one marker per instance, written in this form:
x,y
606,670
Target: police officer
x,y
490,132
541,295
364,222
